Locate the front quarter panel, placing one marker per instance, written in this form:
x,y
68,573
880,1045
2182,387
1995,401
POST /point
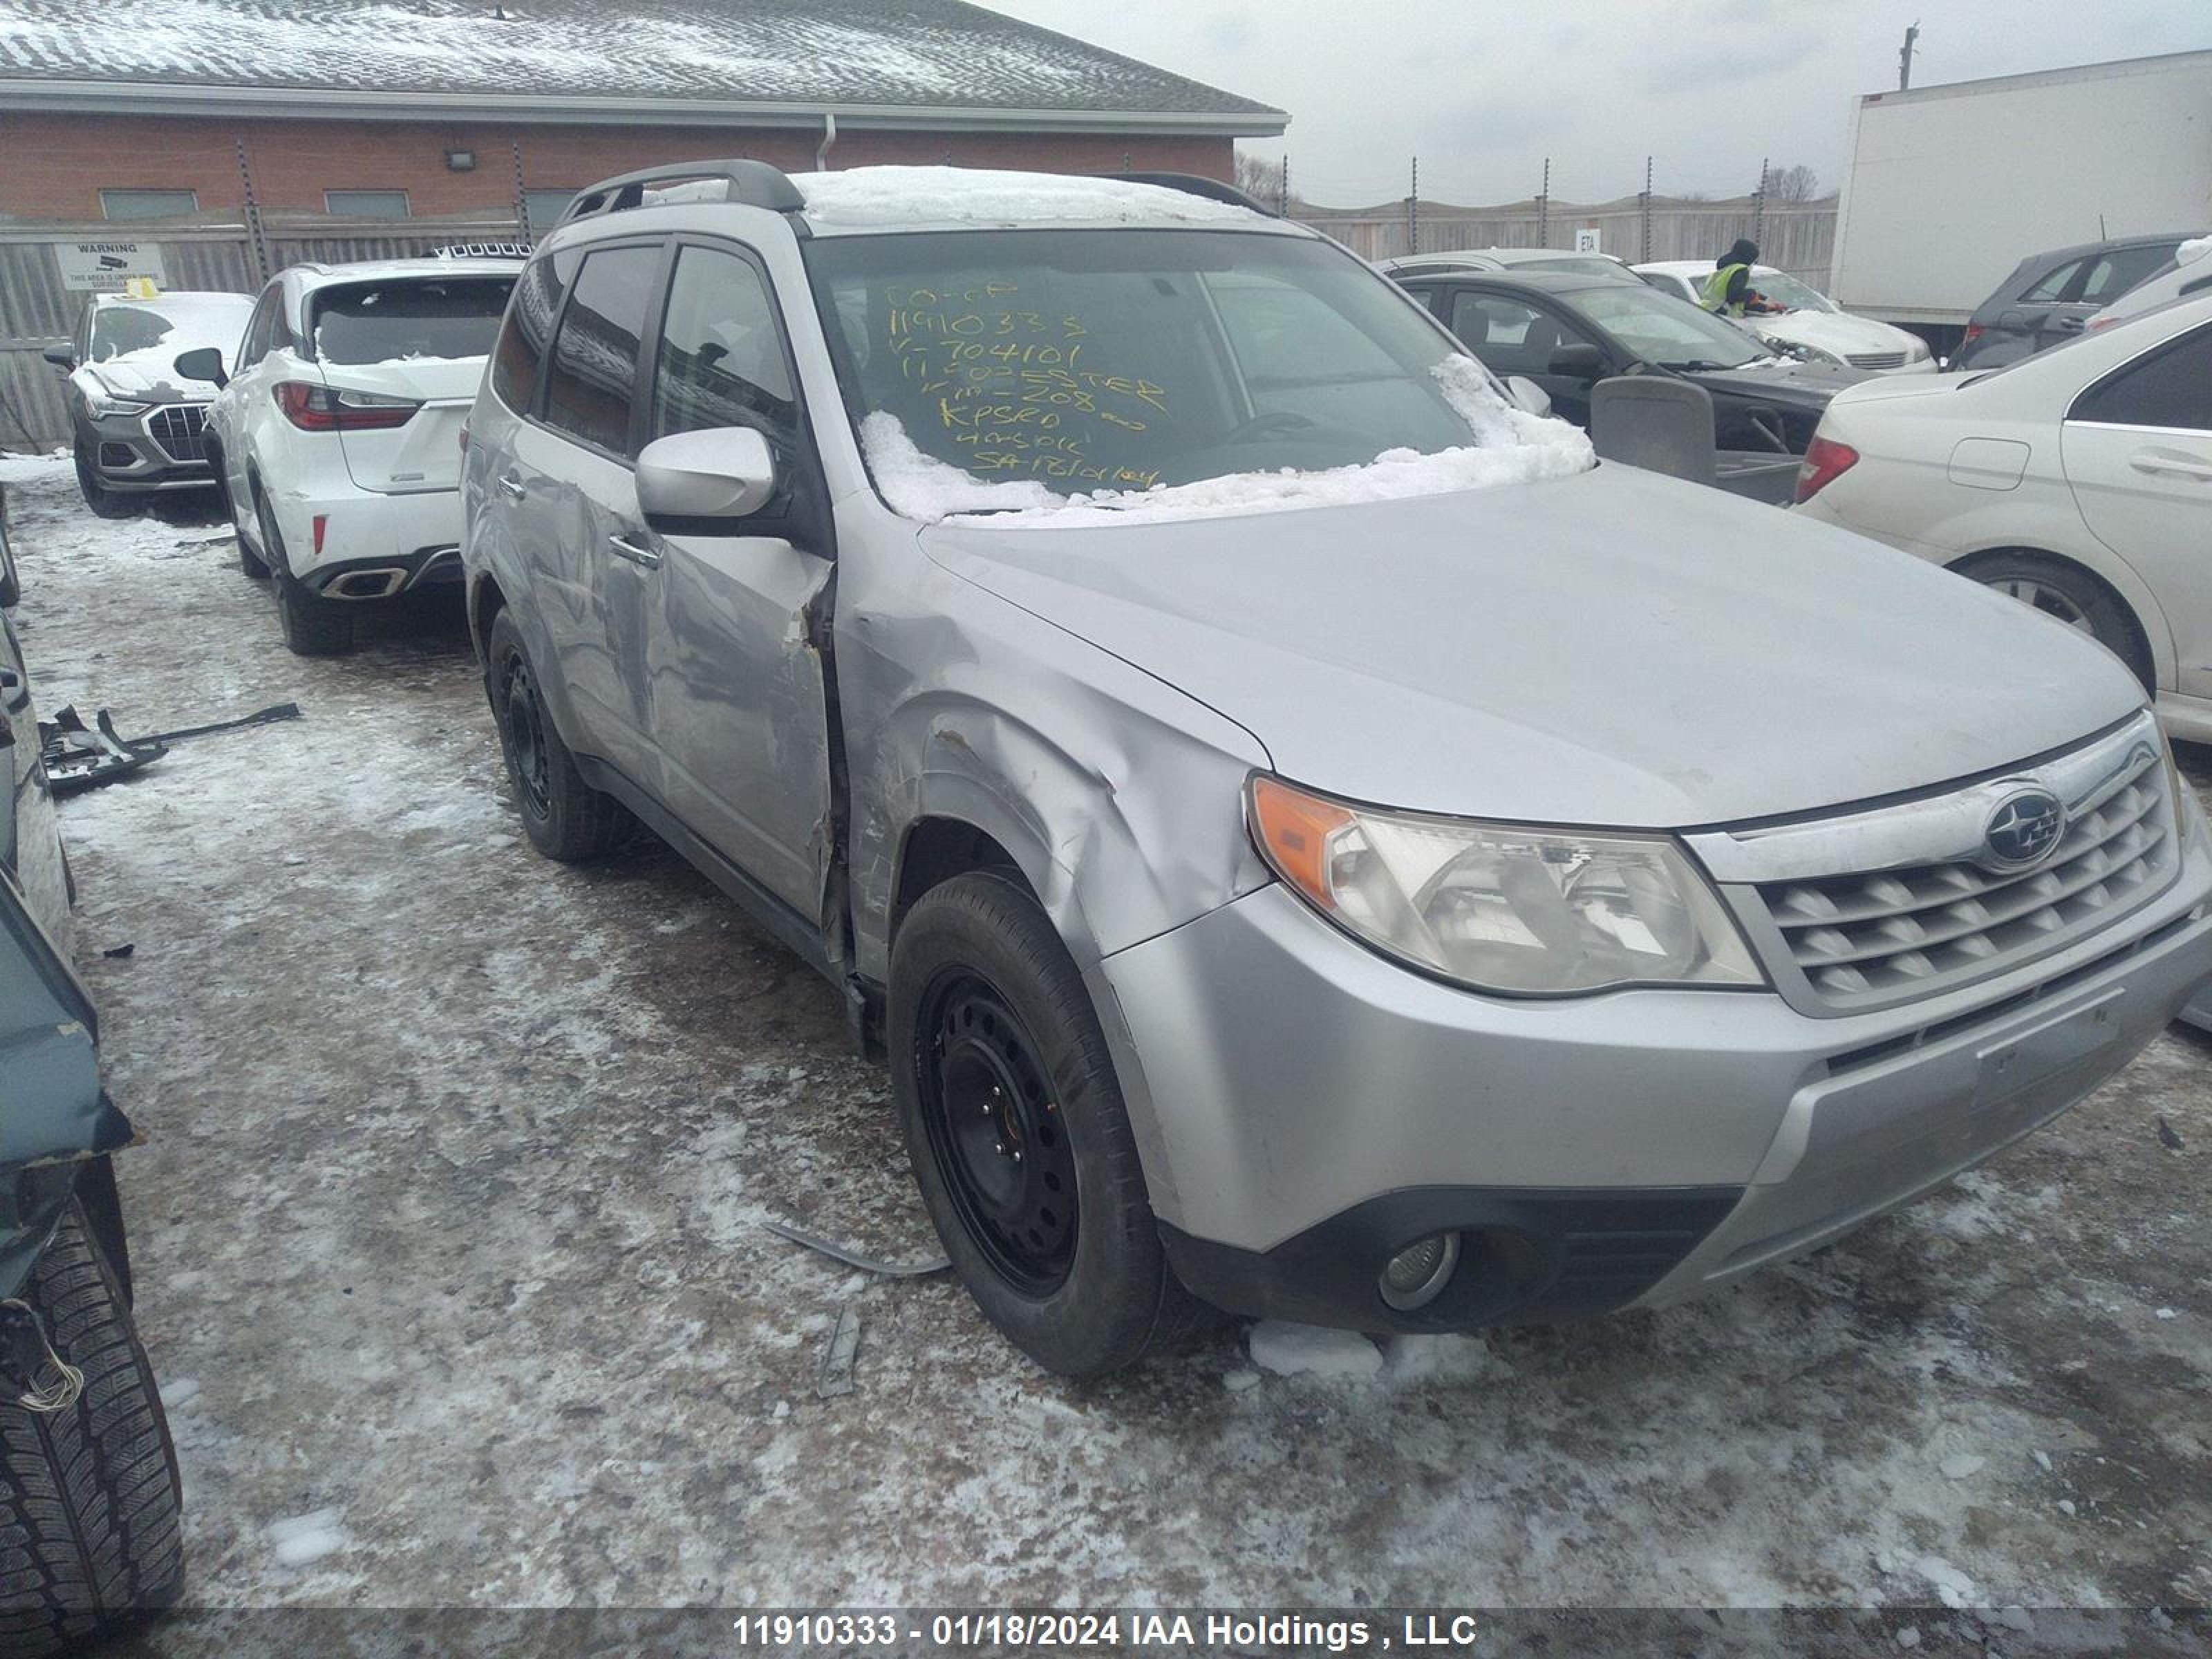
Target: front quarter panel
x,y
1120,797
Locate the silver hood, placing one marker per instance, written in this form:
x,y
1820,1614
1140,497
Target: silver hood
x,y
1614,648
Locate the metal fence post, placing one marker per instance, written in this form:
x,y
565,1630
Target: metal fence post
x,y
257,243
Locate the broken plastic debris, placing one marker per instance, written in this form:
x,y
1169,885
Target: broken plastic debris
x,y
1288,1349
838,1359
853,1258
80,757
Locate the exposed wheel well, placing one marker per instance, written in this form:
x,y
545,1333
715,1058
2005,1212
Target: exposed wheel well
x,y
2144,658
937,850
485,603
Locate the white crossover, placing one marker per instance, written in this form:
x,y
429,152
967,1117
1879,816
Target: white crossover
x,y
337,431
2078,480
1810,324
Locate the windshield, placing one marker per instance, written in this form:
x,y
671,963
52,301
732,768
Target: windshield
x,y
1123,359
1784,289
389,322
1670,332
120,330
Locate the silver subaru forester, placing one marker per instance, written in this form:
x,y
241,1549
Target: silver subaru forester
x,y
1309,839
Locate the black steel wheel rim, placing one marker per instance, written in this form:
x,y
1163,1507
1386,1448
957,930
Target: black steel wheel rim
x,y
521,715
996,1132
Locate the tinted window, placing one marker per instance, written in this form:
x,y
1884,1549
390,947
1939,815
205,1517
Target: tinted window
x,y
367,204
1511,336
2053,282
389,322
2111,275
529,329
262,326
148,203
2170,387
593,380
721,359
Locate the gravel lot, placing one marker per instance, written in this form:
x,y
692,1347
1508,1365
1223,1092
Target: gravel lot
x,y
446,1227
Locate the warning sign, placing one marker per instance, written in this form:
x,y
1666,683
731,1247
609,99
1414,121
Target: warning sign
x,y
107,267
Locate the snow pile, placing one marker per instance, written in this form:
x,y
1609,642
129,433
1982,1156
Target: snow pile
x,y
1289,1350
904,196
1511,447
303,1539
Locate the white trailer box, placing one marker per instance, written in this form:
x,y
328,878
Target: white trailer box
x,y
1949,187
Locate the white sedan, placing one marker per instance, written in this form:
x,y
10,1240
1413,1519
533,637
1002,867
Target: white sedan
x,y
336,432
1809,322
2079,481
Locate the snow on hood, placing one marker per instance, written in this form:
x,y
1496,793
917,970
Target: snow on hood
x,y
1833,331
1614,647
1511,447
906,195
188,321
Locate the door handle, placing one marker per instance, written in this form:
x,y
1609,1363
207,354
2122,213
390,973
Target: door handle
x,y
2072,325
512,488
634,553
2165,460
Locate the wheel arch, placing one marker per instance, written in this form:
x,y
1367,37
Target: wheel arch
x,y
2114,575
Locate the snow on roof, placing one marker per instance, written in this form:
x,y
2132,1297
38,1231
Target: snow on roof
x,y
907,196
1510,447
841,53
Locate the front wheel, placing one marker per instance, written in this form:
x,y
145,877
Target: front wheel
x,y
2066,593
104,503
91,1530
1018,1137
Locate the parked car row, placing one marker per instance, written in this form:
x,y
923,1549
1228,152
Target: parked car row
x,y
1151,667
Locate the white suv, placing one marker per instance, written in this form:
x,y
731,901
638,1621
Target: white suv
x,y
336,433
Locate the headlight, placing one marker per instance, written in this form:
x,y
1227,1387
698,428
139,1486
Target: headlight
x,y
1813,353
101,403
1499,907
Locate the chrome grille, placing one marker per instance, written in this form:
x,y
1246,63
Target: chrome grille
x,y
1894,930
1875,359
180,430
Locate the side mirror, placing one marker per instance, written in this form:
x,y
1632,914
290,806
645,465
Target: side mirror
x,y
63,357
723,472
203,363
1578,361
1526,395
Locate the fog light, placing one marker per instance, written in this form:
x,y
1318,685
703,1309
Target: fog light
x,y
1417,1275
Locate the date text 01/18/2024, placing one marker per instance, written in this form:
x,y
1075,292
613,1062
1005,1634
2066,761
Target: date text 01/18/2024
x,y
1161,1631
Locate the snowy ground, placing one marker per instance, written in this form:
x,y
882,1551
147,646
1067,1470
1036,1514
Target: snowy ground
x,y
446,1232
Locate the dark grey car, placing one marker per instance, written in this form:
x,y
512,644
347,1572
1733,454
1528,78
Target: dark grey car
x,y
2049,297
90,1496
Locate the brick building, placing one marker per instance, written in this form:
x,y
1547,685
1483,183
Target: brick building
x,y
400,109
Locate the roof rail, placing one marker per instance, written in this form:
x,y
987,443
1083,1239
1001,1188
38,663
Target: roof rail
x,y
755,184
1194,184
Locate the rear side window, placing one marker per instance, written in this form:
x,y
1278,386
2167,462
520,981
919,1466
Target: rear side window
x,y
720,361
447,317
529,329
2111,275
2172,387
2053,283
591,384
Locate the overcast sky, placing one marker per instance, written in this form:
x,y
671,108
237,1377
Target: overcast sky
x,y
1482,90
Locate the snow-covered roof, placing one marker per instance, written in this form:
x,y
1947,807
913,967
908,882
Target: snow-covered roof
x,y
901,197
873,61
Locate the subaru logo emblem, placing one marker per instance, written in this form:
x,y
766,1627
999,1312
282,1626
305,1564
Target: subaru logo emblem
x,y
2024,828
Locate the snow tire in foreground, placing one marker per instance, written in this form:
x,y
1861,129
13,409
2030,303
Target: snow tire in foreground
x,y
564,817
91,1528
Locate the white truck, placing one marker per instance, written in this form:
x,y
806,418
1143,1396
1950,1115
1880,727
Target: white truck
x,y
1949,187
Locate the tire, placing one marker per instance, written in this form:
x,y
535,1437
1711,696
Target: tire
x,y
249,561
2069,594
565,819
91,1533
314,626
1008,1099
104,503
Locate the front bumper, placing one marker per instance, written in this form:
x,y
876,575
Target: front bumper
x,y
164,449
1306,1108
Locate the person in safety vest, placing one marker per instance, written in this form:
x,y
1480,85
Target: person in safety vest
x,y
1728,290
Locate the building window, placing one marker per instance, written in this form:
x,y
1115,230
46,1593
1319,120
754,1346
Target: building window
x,y
366,204
546,206
148,203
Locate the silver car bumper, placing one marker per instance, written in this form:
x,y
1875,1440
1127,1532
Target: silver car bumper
x,y
1296,1097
